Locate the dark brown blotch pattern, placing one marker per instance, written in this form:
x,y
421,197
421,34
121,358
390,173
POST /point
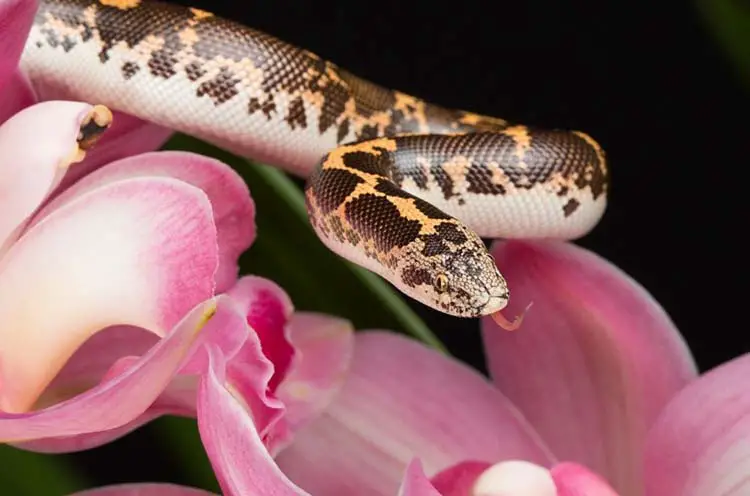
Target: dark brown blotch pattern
x,y
376,218
331,187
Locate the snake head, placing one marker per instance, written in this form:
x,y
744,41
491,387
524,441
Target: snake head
x,y
463,280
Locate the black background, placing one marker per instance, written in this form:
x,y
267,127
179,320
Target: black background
x,y
649,83
647,80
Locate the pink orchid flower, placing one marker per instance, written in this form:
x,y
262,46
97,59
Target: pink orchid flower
x,y
596,395
109,281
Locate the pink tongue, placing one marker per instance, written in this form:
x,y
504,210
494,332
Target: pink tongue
x,y
506,324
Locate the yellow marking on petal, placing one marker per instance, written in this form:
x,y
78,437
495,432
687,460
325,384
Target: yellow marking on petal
x,y
208,314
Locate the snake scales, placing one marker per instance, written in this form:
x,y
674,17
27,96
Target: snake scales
x,y
395,184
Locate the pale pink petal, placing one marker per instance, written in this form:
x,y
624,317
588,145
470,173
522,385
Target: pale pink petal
x,y
240,460
594,361
572,479
113,352
128,136
139,252
458,479
267,308
144,489
699,446
16,95
233,208
403,400
132,392
15,21
323,353
29,171
415,482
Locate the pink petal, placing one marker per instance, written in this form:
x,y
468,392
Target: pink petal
x,y
403,400
140,252
699,446
594,361
415,482
240,460
133,391
324,346
114,351
459,479
144,489
233,208
28,171
572,479
267,308
128,136
16,96
16,17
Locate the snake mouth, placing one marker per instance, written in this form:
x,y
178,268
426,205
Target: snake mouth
x,y
496,300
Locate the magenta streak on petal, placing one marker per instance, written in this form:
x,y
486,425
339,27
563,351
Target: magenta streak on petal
x,y
267,308
240,460
458,479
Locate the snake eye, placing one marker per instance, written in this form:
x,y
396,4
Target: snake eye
x,y
441,283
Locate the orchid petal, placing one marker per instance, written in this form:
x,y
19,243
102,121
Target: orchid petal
x,y
594,361
572,479
459,479
144,489
699,446
16,96
267,308
128,136
403,400
248,371
140,252
240,460
16,17
233,208
415,482
133,391
28,171
324,346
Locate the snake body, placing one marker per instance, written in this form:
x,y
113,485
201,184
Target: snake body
x,y
396,184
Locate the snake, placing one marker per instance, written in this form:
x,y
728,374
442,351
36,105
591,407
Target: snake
x,y
403,187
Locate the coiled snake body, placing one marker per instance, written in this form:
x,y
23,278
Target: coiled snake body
x,y
398,185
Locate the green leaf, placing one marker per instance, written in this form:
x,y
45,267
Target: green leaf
x,y
730,22
25,472
183,438
288,252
